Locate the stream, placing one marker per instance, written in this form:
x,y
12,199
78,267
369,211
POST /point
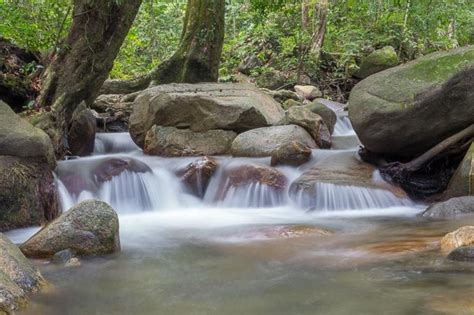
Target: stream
x,y
252,251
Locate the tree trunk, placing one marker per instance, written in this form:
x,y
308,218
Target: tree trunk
x,y
78,71
320,29
197,57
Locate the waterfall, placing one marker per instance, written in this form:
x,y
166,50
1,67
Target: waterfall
x,y
151,183
329,196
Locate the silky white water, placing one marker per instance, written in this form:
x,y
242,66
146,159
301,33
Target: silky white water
x,y
233,251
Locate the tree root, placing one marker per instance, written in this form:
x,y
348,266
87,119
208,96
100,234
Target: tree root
x,y
429,173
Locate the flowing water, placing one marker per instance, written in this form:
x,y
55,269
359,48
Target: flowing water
x,y
252,250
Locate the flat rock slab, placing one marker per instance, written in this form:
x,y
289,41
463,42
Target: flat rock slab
x,y
266,141
203,107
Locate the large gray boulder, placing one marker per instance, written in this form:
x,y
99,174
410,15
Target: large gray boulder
x,y
266,141
88,228
18,277
408,109
202,107
451,208
170,141
28,194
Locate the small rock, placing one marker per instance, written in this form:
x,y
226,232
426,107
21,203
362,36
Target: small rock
x,y
463,236
249,63
379,60
290,103
282,96
254,173
73,262
88,228
265,141
63,256
308,92
196,175
329,116
463,253
312,123
271,80
294,154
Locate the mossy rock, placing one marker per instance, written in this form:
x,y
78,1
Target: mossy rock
x,y
329,117
88,228
17,277
19,138
408,109
28,193
271,80
379,60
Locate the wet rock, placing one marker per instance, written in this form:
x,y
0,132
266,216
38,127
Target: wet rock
x,y
451,208
73,262
89,228
254,173
77,179
170,141
312,123
27,190
329,116
463,253
196,175
112,167
308,92
294,154
285,231
81,136
266,141
386,108
379,60
339,169
249,63
113,111
63,256
271,80
202,107
462,182
18,277
463,236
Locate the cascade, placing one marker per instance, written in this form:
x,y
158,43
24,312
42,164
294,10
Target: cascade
x,y
159,188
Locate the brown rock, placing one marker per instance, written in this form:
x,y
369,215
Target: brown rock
x,y
463,236
312,123
196,175
294,154
88,228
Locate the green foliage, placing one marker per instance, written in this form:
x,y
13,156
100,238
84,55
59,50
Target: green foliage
x,y
269,29
35,24
153,37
